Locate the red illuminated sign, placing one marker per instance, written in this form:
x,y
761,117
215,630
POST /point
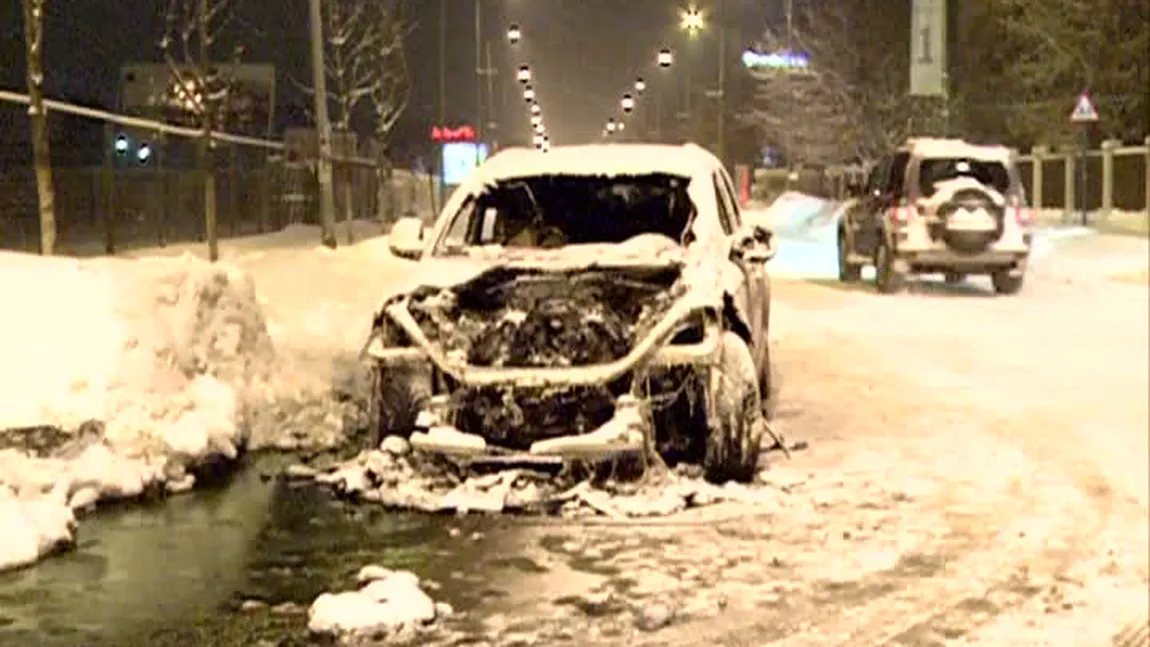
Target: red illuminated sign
x,y
445,134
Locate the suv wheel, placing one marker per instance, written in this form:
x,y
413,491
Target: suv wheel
x,y
848,272
1004,283
887,278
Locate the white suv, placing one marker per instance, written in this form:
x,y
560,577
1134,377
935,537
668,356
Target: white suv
x,y
939,206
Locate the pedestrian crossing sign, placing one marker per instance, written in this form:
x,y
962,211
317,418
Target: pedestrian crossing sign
x,y
1084,110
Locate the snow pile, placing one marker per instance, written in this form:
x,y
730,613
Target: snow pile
x,y
398,477
389,604
147,369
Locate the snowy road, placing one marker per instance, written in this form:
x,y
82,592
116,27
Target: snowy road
x,y
977,474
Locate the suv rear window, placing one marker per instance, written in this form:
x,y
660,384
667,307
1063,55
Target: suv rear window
x,y
990,173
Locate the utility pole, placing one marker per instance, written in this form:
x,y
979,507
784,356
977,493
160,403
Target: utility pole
x,y
479,117
442,93
38,120
721,103
489,72
790,140
323,129
207,167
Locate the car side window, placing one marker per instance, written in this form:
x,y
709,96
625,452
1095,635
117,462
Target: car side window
x,y
894,182
722,205
732,200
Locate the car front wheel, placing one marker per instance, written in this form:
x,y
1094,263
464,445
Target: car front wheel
x,y
848,272
735,416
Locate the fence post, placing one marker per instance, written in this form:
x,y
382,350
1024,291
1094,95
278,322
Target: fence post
x,y
1069,201
1147,170
1108,147
108,191
1038,158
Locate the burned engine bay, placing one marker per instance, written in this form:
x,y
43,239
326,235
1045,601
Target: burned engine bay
x,y
525,318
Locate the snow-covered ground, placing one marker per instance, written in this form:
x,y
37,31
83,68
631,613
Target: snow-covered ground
x,y
125,375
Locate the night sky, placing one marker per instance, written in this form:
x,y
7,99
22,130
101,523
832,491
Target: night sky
x,y
585,53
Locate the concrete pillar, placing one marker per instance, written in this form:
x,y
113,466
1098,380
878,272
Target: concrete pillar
x,y
1038,156
1069,195
1108,147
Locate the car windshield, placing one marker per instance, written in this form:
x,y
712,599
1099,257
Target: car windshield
x,y
556,210
990,173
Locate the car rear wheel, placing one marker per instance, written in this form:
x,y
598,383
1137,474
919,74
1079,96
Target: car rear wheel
x,y
735,415
848,272
888,278
1005,283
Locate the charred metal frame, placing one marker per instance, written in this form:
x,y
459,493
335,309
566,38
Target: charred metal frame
x,y
629,431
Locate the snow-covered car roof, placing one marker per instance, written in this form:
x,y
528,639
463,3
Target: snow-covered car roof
x,y
932,147
687,160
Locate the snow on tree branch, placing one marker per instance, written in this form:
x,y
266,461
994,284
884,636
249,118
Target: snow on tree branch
x,y
203,76
366,65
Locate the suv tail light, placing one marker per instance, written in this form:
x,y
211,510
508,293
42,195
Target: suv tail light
x,y
904,211
1023,214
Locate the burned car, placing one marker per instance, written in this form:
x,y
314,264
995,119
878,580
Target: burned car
x,y
580,304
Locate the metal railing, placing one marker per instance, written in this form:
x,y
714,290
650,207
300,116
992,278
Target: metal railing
x,y
1116,181
106,204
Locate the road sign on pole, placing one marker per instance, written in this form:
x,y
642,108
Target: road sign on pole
x,y
1084,111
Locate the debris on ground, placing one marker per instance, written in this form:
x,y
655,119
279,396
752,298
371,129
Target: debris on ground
x,y
388,605
398,477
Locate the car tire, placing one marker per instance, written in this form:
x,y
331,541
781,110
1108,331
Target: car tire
x,y
848,272
735,414
399,395
954,278
888,279
1005,283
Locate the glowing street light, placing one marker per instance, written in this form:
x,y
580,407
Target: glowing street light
x,y
612,126
538,140
665,58
514,34
535,109
540,128
529,94
546,145
692,21
536,120
628,103
524,75
640,85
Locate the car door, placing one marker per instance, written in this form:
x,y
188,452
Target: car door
x,y
865,227
753,298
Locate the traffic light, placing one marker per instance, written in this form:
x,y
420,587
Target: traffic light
x,y
144,153
122,144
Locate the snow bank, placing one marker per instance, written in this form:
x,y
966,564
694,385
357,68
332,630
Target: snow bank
x,y
389,604
162,362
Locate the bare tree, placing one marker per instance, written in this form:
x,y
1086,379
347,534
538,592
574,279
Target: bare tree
x,y
38,120
1051,50
366,65
392,87
851,101
203,83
